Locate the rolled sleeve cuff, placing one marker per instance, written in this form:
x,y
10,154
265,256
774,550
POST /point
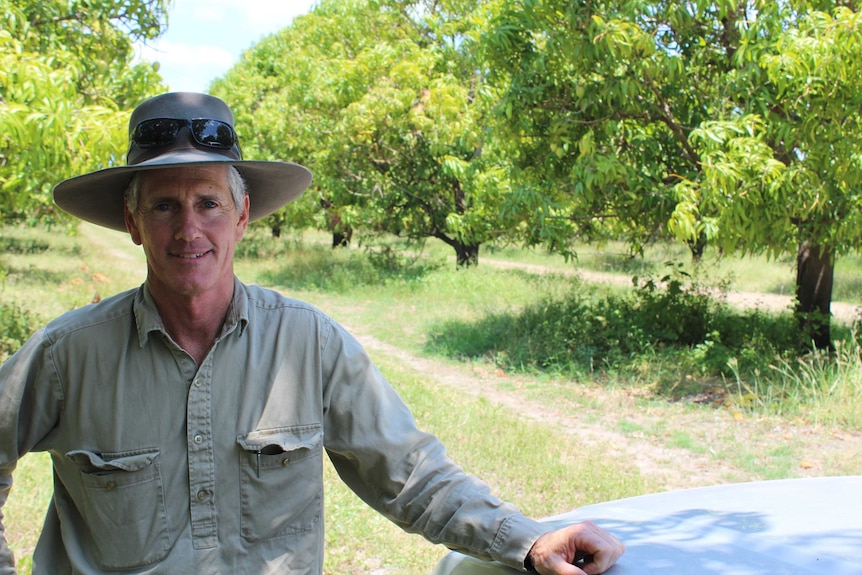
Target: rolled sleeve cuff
x,y
515,539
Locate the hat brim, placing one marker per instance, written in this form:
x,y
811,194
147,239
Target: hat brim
x,y
97,197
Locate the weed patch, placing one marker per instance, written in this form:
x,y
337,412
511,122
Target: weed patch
x,y
318,268
669,322
824,387
16,325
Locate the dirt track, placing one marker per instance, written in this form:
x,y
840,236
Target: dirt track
x,y
722,437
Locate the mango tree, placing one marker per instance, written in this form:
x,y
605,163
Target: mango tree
x,y
381,101
729,122
784,172
595,116
67,84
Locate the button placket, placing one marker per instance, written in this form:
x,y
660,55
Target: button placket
x,y
201,458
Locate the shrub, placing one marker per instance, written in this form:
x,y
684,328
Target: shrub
x,y
674,317
16,325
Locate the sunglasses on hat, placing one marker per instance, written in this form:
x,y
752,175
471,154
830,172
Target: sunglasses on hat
x,y
163,131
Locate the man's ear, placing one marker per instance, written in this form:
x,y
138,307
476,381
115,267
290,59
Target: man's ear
x,y
243,219
131,226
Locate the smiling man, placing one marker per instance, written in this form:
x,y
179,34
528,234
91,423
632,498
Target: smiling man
x,y
188,222
187,419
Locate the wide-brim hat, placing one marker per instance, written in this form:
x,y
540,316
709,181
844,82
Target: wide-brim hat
x,y
98,197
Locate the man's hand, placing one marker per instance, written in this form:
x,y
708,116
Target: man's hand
x,y
556,552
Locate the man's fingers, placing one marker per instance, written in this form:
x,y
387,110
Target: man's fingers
x,y
563,567
609,551
581,549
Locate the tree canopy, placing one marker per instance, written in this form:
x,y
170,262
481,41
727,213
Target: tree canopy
x,y
67,84
732,122
382,100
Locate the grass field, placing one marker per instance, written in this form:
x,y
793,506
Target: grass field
x,y
530,434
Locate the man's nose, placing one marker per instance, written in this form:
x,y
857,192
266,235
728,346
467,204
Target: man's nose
x,y
188,224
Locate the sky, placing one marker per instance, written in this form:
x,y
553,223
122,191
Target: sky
x,y
205,38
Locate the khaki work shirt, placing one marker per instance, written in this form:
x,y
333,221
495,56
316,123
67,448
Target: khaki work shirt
x,y
164,466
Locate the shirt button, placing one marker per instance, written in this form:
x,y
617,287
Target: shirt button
x,y
199,439
110,486
197,383
202,494
285,462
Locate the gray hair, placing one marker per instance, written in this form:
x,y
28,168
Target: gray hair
x,y
235,183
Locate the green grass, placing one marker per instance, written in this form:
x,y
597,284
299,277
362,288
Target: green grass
x,y
824,388
479,315
25,511
684,440
53,272
524,463
470,319
758,274
750,273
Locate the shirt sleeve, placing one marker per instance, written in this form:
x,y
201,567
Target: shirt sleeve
x,y
404,473
30,400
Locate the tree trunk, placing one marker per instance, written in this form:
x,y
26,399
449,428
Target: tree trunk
x,y
697,247
814,274
466,255
341,233
341,239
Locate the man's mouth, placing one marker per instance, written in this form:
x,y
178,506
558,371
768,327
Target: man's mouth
x,y
191,256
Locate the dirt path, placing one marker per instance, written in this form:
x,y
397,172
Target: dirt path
x,y
843,312
673,445
663,466
721,440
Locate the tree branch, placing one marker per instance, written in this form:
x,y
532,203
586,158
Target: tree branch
x,y
669,120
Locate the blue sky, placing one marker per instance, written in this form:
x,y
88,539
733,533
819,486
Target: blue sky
x,y
206,37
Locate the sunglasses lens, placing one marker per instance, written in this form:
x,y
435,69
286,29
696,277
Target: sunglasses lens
x,y
163,131
213,133
154,133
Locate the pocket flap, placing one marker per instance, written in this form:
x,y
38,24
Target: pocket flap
x,y
281,440
125,461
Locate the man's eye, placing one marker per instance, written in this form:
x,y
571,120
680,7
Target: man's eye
x,y
209,204
161,207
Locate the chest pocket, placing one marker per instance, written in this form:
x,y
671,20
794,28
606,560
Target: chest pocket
x,y
281,482
124,507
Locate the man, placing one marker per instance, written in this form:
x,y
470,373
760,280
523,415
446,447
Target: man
x,y
186,419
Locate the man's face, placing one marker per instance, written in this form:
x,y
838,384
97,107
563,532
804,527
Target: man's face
x,y
188,225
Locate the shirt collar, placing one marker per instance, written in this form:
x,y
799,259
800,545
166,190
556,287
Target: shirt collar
x,y
147,318
237,314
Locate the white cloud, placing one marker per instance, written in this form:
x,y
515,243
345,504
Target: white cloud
x,y
188,67
167,52
205,37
